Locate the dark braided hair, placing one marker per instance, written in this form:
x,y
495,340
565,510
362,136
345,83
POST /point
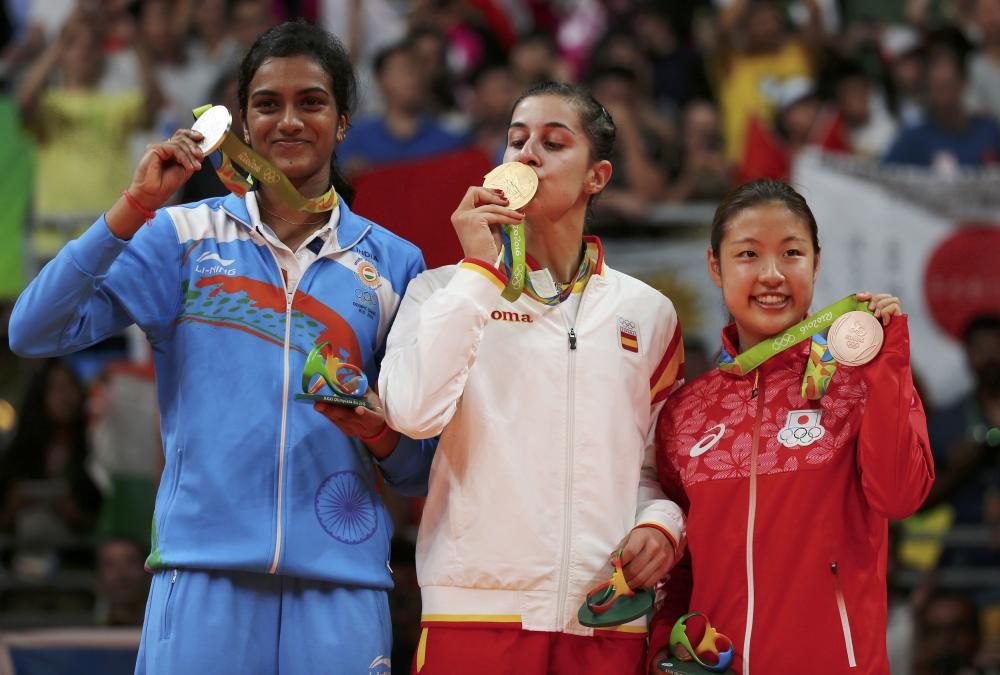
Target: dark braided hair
x,y
298,38
756,193
596,120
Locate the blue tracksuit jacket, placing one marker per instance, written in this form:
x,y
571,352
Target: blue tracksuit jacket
x,y
253,480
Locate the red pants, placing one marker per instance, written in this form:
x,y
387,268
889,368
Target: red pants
x,y
448,650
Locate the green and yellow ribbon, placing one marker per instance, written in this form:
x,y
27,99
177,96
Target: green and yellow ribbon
x,y
820,367
234,150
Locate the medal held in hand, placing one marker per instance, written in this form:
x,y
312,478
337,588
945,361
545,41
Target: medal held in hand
x,y
518,182
345,383
214,124
855,338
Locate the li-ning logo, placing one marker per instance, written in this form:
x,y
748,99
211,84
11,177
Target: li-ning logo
x,y
801,428
708,442
497,315
220,268
381,664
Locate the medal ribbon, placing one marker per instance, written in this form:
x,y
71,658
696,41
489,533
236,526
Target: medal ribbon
x,y
761,352
819,369
510,261
514,263
234,150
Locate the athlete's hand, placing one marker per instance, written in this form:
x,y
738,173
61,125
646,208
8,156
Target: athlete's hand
x,y
477,219
364,423
884,306
660,655
647,556
164,167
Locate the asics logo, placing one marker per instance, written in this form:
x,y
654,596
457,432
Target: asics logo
x,y
708,442
208,255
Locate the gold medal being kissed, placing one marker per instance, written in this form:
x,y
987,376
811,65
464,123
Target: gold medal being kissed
x,y
516,180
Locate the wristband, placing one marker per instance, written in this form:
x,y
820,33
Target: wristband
x,y
134,203
662,530
368,440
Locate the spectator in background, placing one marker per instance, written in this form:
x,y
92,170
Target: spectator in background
x,y
122,582
185,82
406,130
757,53
949,137
984,70
249,19
430,50
471,33
492,95
641,152
858,121
704,173
902,54
771,148
965,437
948,637
82,132
678,72
534,59
213,42
46,490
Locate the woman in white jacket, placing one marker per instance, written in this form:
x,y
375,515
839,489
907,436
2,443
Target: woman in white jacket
x,y
545,407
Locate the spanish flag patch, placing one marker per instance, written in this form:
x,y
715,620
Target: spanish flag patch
x,y
628,335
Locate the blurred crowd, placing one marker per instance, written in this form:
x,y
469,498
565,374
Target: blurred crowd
x,y
705,94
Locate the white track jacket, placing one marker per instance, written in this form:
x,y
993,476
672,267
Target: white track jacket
x,y
545,460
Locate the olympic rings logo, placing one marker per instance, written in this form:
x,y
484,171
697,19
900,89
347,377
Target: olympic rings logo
x,y
784,341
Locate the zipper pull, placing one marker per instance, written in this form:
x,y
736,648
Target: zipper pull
x,y
572,339
833,568
756,378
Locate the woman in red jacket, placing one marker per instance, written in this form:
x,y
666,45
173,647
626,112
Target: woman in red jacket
x,y
789,476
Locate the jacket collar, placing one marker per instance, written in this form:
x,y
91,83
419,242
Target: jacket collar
x,y
593,247
351,229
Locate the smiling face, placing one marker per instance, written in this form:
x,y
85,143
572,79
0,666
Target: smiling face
x,y
766,267
292,119
546,134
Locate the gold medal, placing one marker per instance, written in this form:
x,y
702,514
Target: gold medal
x,y
517,181
855,338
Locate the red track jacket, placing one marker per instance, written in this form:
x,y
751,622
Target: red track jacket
x,y
787,504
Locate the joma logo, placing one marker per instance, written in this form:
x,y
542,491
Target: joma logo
x,y
510,316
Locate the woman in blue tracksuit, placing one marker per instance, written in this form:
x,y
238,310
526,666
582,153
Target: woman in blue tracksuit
x,y
270,542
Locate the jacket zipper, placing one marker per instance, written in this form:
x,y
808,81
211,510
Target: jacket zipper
x,y
289,295
166,625
845,625
568,481
751,518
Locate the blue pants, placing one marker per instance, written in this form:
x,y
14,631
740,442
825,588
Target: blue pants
x,y
243,623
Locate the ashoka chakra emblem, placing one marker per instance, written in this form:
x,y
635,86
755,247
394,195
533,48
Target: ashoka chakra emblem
x,y
345,509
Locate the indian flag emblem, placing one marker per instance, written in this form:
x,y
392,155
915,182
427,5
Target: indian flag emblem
x,y
368,274
628,335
